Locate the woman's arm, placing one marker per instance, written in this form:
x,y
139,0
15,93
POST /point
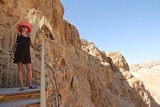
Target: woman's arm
x,y
32,45
14,41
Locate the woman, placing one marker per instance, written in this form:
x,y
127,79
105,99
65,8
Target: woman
x,y
20,52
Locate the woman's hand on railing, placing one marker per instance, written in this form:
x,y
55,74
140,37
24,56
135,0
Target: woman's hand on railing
x,y
12,55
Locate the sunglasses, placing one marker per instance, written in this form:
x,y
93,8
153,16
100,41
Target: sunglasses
x,y
24,27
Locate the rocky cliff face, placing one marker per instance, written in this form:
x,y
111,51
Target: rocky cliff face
x,y
86,76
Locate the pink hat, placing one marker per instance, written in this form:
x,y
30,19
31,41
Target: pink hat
x,y
24,24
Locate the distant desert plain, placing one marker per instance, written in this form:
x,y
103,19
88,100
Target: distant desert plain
x,y
149,73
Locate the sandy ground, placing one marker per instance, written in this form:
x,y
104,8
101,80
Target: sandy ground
x,y
150,75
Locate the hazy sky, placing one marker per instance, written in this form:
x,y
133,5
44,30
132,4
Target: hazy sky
x,y
131,27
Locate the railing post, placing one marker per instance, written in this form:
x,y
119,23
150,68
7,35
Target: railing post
x,y
42,95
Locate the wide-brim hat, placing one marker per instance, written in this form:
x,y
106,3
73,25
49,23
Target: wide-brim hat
x,y
24,24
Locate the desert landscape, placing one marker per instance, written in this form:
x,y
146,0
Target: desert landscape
x,y
149,73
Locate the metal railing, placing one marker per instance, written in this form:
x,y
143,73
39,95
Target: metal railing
x,y
8,70
6,39
8,74
42,93
7,35
53,94
9,78
51,97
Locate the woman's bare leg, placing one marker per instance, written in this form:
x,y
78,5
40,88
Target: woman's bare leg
x,y
29,73
20,73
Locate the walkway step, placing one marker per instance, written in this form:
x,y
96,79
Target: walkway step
x,y
11,94
35,102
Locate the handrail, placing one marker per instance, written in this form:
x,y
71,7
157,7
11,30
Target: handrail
x,y
53,80
4,51
6,33
7,72
43,103
14,25
57,102
4,47
54,83
42,91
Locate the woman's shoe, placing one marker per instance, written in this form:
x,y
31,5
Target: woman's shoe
x,y
32,87
21,89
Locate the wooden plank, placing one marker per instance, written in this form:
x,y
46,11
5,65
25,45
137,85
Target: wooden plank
x,y
13,91
1,98
11,94
21,96
21,103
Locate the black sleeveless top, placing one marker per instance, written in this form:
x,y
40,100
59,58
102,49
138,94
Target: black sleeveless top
x,y
22,53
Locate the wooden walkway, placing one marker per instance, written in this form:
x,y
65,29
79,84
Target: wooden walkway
x,y
20,103
9,91
12,97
